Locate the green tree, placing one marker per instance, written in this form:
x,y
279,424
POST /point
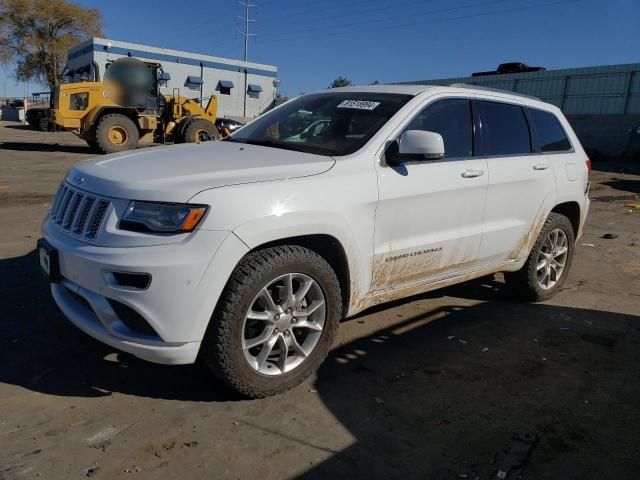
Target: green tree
x,y
340,82
35,36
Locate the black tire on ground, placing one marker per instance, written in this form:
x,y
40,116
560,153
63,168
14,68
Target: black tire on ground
x,y
222,349
94,145
116,133
198,126
524,283
43,124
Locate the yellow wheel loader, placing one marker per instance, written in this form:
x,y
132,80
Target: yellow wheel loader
x,y
127,108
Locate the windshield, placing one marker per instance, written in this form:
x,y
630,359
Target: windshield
x,y
333,123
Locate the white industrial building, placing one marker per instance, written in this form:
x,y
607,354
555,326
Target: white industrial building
x,y
244,89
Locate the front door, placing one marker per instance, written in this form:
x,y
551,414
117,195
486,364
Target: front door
x,y
429,217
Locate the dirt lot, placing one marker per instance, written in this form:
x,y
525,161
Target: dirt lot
x,y
396,398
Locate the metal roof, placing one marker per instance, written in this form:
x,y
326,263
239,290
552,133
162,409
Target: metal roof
x,y
605,89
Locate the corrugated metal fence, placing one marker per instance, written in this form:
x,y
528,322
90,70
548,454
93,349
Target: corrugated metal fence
x,y
608,89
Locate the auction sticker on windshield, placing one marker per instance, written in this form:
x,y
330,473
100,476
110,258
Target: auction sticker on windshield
x,y
359,104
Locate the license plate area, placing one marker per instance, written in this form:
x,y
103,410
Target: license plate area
x,y
48,261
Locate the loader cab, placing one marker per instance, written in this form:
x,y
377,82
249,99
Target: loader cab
x,y
138,83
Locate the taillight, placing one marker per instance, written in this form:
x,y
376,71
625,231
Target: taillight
x,y
588,162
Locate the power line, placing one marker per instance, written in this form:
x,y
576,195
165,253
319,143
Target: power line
x,y
388,19
369,11
315,11
392,27
247,21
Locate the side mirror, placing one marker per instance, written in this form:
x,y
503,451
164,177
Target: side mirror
x,y
428,145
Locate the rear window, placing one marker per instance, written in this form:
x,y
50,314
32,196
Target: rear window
x,y
550,135
505,130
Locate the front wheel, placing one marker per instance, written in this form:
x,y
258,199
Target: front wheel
x,y
116,133
548,264
275,321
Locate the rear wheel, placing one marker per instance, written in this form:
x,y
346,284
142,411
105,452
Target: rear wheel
x,y
116,133
275,321
43,124
199,130
548,264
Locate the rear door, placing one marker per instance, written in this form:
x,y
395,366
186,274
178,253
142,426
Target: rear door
x,y
521,182
429,216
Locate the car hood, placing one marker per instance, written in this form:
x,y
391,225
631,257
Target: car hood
x,y
177,173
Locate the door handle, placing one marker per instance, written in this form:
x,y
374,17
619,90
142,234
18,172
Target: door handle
x,y
472,173
540,166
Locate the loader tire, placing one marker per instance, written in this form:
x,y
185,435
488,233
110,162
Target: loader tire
x,y
43,124
197,127
116,133
93,144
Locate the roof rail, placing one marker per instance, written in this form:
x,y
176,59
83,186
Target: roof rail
x,y
496,90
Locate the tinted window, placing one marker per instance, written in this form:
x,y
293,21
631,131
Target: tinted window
x,y
550,134
505,130
450,118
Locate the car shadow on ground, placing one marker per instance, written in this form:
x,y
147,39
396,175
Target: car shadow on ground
x,y
43,352
437,394
21,127
441,393
46,147
632,186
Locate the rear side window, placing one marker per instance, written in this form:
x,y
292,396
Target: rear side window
x,y
550,135
505,130
451,118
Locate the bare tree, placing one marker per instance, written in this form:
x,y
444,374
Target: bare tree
x,y
35,36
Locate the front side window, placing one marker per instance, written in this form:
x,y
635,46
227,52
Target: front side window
x,y
78,101
332,123
452,119
549,133
505,130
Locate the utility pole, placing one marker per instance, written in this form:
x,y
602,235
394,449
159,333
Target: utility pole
x,y
247,20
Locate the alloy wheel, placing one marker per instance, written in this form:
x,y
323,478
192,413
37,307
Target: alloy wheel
x,y
283,324
552,259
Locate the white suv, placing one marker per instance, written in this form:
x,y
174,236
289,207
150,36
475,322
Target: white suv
x,y
246,253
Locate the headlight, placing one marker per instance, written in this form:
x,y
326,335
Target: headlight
x,y
162,217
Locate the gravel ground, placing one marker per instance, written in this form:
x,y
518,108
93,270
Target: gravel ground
x,y
397,398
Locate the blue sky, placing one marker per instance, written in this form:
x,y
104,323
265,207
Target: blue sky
x,y
365,40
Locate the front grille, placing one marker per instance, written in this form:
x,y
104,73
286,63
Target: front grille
x,y
78,213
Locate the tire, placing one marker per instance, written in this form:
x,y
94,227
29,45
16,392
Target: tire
x,y
116,133
43,124
196,127
94,145
525,283
222,349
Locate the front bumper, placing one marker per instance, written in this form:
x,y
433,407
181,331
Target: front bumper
x,y
97,318
186,280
